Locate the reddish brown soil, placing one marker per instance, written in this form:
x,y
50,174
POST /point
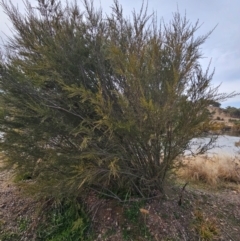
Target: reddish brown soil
x,y
164,219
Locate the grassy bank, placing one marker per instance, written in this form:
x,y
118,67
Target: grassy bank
x,y
211,170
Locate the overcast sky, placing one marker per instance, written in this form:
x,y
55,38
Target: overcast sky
x,y
222,47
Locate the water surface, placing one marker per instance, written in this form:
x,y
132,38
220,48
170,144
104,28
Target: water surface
x,y
225,145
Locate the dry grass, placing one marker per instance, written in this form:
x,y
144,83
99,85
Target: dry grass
x,y
211,170
205,226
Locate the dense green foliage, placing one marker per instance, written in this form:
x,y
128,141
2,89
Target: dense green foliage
x,y
100,102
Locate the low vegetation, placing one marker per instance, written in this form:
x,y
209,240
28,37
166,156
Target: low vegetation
x,y
211,170
202,213
232,111
223,122
205,227
63,221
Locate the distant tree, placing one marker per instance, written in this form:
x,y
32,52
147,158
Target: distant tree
x,y
101,102
233,111
216,104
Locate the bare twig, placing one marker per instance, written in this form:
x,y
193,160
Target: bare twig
x,y
181,194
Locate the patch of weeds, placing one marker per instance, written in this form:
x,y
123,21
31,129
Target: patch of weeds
x,y
9,236
23,177
176,215
135,223
205,227
186,204
67,221
127,234
133,211
23,223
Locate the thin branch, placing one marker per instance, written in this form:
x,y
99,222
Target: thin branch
x,y
60,108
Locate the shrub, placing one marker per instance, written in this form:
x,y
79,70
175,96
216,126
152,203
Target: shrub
x,y
105,103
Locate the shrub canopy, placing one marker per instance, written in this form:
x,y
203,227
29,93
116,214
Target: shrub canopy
x,y
101,101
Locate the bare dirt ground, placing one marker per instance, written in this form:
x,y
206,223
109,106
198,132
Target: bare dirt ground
x,y
204,214
17,211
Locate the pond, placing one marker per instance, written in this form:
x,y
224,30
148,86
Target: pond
x,y
225,145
